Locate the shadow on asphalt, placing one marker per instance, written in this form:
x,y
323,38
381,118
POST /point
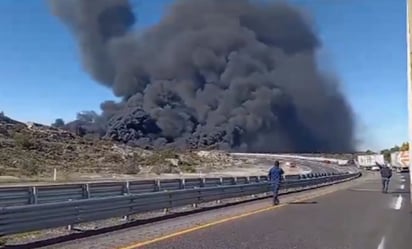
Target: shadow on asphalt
x,y
303,202
365,190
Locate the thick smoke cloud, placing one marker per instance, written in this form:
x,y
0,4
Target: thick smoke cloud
x,y
233,74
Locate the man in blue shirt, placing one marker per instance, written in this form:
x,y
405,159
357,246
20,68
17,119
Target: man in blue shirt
x,y
275,178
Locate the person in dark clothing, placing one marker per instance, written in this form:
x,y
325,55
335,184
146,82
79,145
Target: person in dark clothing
x,y
275,178
386,174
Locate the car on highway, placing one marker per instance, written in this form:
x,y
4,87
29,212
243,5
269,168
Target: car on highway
x,y
290,164
375,168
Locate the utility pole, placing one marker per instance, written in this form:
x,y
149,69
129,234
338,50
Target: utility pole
x,y
408,42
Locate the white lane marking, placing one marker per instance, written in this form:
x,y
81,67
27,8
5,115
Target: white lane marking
x,y
398,202
402,186
382,243
402,180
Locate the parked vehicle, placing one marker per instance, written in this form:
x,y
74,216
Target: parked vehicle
x,y
369,161
400,161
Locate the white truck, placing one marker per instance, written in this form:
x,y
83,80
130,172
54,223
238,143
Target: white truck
x,y
400,161
369,161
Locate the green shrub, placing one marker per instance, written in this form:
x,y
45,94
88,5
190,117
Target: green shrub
x,y
164,169
132,169
24,141
31,168
188,168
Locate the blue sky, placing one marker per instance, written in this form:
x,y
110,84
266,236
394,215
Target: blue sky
x,y
364,43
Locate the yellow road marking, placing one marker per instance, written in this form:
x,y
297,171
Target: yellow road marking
x,y
189,230
210,224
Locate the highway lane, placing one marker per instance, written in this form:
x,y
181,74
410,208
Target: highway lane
x,y
327,168
317,167
306,165
360,217
320,167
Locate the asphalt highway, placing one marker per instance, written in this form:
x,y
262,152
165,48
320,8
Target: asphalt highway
x,y
350,215
360,217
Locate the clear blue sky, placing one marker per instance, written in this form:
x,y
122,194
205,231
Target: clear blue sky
x,y
364,43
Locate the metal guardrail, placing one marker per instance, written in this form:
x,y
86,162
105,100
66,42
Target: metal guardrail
x,y
18,219
26,195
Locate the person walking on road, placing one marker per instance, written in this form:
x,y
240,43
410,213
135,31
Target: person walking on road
x,y
386,174
275,178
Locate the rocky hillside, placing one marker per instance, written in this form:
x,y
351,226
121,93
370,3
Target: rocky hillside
x,y
35,150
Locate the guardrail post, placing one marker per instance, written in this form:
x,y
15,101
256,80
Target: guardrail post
x,y
157,187
194,205
182,183
126,188
248,182
221,184
86,191
242,189
235,180
203,182
33,195
126,191
220,201
70,227
166,210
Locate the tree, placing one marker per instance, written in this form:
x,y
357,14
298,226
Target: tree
x,y
58,123
387,152
404,146
395,148
386,155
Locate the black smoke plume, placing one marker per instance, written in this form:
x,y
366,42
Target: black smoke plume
x,y
233,74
